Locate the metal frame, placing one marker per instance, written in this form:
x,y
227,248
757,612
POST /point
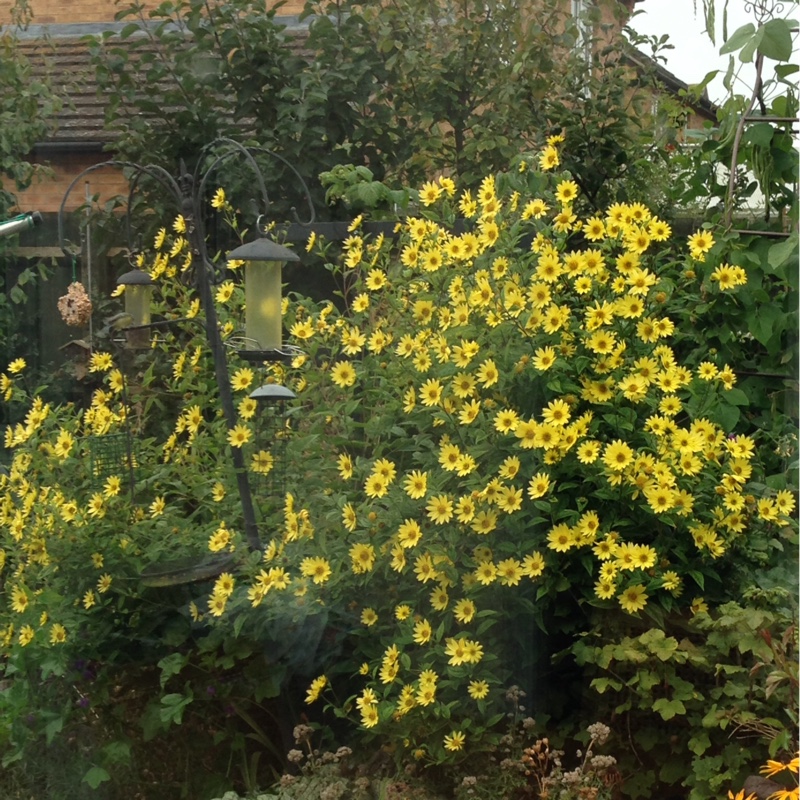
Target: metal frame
x,y
188,193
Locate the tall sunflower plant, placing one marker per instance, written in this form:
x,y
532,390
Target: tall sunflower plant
x,y
495,416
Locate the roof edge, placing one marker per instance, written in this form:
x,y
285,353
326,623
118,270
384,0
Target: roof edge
x,y
76,30
671,81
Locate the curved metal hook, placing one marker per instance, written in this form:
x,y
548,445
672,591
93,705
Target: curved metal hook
x,y
179,195
159,174
311,210
236,148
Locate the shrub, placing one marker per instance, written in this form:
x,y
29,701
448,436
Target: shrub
x,y
497,427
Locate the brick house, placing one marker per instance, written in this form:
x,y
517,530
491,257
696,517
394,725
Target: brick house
x,y
80,139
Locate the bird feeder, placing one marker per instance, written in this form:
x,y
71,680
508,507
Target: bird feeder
x,y
138,293
271,436
264,260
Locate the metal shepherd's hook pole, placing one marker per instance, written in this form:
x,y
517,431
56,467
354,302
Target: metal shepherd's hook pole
x,y
217,348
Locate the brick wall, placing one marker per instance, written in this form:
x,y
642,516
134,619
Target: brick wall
x,y
66,11
82,11
47,193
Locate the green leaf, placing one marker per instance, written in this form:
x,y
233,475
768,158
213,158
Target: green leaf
x,y
117,752
737,397
782,252
783,741
173,706
11,757
51,666
632,654
95,776
648,679
760,134
541,592
712,717
683,690
776,42
601,684
672,770
728,416
698,578
784,70
700,743
640,784
765,322
171,665
52,728
492,721
647,738
129,30
748,51
738,39
652,635
697,88
668,708
151,722
664,648
369,194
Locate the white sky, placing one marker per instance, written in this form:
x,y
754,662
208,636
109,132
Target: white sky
x,y
694,55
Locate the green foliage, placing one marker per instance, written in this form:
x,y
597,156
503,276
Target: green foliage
x,y
463,87
224,69
214,691
498,427
404,90
754,133
27,109
719,679
15,313
757,329
356,187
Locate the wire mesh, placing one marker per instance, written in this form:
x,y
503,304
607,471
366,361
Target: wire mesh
x,y
268,465
112,454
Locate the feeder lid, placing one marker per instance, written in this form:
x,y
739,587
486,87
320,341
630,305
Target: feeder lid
x,y
272,392
135,277
262,249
